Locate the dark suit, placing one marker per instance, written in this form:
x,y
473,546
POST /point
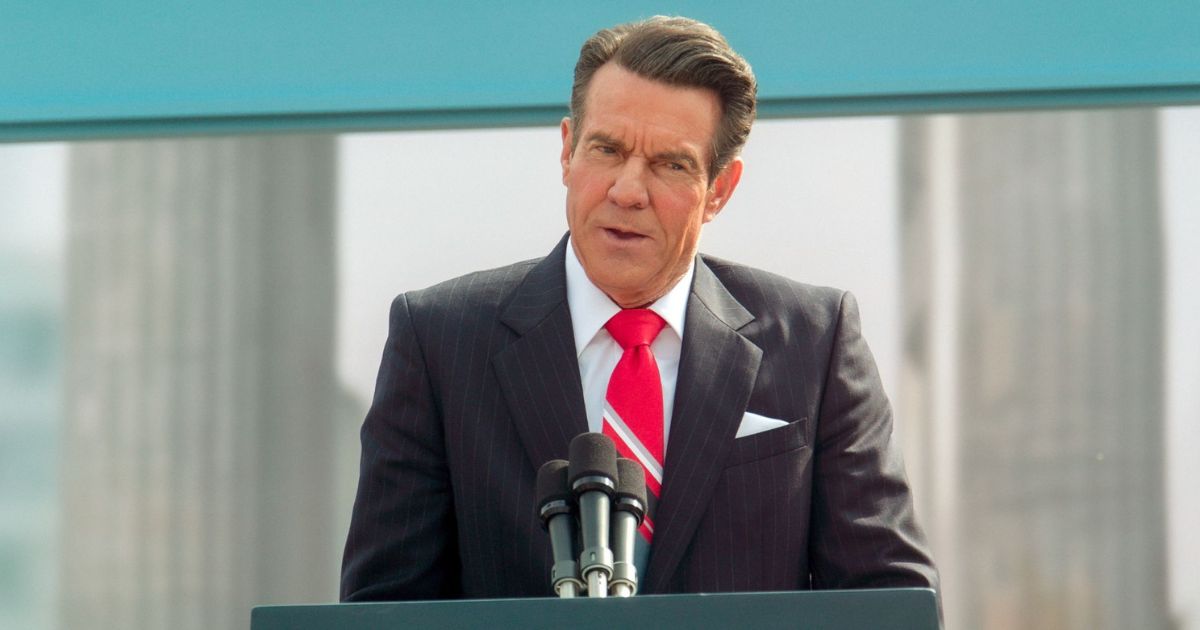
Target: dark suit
x,y
479,386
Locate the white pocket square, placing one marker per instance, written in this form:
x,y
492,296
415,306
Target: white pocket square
x,y
753,423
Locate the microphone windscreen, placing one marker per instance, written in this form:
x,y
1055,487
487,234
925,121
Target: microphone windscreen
x,y
593,455
552,483
631,480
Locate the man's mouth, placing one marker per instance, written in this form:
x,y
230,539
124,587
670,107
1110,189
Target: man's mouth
x,y
623,235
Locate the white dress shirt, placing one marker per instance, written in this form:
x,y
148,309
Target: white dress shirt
x,y
598,352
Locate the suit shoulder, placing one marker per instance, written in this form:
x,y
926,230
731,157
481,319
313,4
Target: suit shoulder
x,y
787,312
760,290
477,292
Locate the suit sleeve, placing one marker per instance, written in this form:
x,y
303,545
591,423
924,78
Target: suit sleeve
x,y
402,541
864,534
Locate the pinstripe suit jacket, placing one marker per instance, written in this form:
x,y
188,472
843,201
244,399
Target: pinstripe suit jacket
x,y
479,386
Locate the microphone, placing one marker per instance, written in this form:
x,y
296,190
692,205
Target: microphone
x,y
593,474
628,509
554,508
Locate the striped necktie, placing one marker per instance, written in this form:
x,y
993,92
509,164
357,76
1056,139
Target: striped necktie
x,y
633,409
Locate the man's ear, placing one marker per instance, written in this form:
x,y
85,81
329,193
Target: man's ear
x,y
722,188
564,158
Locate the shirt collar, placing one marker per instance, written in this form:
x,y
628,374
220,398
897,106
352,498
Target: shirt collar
x,y
591,308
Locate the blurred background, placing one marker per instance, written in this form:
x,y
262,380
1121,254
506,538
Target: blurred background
x,y
190,330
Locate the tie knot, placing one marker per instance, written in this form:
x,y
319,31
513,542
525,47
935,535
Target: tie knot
x,y
633,327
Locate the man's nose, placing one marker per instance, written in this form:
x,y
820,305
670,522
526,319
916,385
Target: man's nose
x,y
629,190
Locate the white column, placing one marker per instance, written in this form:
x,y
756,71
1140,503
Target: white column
x,y
196,468
1034,322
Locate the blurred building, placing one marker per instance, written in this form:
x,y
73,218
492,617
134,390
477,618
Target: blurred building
x,y
197,469
1033,376
30,382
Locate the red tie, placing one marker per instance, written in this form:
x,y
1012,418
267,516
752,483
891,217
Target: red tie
x,y
633,413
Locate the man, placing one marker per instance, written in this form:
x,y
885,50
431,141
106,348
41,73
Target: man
x,y
771,458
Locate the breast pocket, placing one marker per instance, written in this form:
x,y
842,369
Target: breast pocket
x,y
751,448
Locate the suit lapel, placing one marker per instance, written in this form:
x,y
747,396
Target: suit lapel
x,y
539,372
717,370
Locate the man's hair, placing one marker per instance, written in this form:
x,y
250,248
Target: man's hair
x,y
681,52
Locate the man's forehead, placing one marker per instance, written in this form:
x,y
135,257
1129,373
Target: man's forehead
x,y
612,72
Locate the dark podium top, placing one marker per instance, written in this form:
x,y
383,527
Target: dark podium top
x,y
901,609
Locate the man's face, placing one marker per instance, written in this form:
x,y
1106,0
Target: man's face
x,y
638,188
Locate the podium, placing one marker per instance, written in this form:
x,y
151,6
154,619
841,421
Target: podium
x,y
878,609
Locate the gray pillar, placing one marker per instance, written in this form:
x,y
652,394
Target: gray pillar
x,y
1033,273
196,468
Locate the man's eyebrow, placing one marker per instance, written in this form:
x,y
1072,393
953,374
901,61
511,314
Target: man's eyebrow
x,y
663,156
603,138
